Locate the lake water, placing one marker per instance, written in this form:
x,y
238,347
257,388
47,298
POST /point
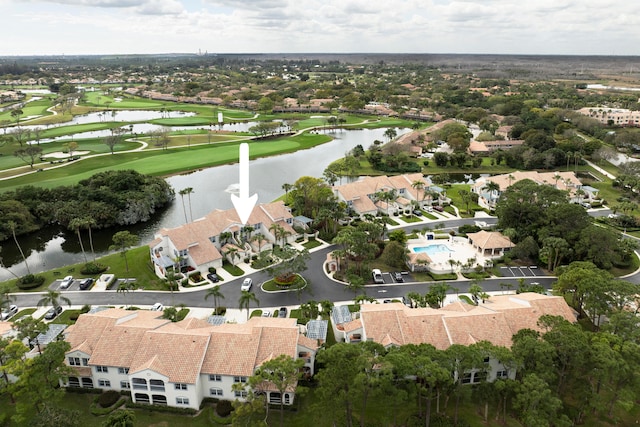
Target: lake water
x,y
53,247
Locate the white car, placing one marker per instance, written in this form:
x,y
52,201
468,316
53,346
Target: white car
x,y
246,284
6,314
66,282
157,307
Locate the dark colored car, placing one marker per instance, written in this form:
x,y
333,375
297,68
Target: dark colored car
x,y
53,312
438,208
397,276
417,212
213,277
85,284
282,312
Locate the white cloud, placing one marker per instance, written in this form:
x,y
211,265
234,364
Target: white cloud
x,y
472,26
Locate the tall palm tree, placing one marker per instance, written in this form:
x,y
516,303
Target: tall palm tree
x,y
216,294
124,288
76,224
5,296
419,186
89,223
286,187
190,191
245,300
12,225
53,299
182,193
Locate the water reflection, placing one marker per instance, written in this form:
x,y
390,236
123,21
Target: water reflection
x,y
54,247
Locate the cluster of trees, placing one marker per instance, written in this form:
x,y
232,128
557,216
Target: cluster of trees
x,y
108,199
562,376
545,226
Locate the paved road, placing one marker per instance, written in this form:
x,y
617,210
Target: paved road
x,y
320,286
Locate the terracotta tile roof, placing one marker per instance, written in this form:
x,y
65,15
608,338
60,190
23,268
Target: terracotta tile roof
x,y
496,320
309,343
490,240
239,349
181,351
195,236
176,354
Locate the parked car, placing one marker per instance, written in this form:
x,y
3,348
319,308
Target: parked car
x,y
66,282
377,276
417,212
397,276
85,283
429,208
282,312
213,277
53,312
266,313
157,307
246,284
7,313
438,208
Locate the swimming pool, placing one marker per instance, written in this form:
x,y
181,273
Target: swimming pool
x,y
432,249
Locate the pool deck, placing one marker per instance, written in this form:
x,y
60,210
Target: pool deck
x,y
461,251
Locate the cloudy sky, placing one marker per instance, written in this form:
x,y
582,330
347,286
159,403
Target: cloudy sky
x,y
575,27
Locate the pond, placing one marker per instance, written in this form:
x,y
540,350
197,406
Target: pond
x,y
54,247
145,128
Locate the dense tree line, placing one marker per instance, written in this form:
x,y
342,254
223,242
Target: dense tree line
x,y
545,226
108,198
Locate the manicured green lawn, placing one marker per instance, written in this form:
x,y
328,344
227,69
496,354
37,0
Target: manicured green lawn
x,y
163,162
139,267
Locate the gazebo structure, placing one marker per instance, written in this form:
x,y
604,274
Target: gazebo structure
x,y
490,243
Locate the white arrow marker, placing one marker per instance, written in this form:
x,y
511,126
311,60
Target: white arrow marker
x,y
243,203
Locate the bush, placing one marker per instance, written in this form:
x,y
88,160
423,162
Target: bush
x,y
158,408
221,311
224,408
108,398
29,281
92,268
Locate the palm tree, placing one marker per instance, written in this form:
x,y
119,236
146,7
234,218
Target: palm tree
x,y
90,222
245,300
419,186
182,193
232,253
510,178
12,226
124,288
76,224
492,188
286,187
216,294
53,299
190,191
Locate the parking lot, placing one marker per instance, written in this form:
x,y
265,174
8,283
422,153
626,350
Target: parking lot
x,y
389,277
522,271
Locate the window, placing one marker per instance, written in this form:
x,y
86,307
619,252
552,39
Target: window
x,y
215,377
142,398
85,361
486,359
257,226
74,361
156,385
502,374
104,383
87,382
239,379
125,385
180,386
158,399
466,378
215,391
74,382
139,384
240,393
102,369
123,371
182,400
